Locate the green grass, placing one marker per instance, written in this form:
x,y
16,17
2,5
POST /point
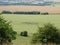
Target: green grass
x,y
30,23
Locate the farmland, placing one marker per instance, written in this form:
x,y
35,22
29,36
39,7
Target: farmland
x,y
49,9
29,23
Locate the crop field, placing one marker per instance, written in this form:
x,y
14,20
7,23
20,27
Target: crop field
x,y
49,9
29,23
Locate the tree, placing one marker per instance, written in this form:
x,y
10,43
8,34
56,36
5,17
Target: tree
x,y
45,13
6,12
47,33
6,31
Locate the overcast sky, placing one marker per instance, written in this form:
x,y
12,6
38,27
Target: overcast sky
x,y
55,0
31,0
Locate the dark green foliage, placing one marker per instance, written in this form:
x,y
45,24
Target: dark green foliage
x,y
35,38
21,33
19,12
48,33
46,13
6,12
33,12
24,33
6,31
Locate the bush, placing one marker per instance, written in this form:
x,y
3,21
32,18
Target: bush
x,y
6,31
47,33
21,33
24,33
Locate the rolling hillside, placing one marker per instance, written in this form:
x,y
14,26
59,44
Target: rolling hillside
x,y
49,9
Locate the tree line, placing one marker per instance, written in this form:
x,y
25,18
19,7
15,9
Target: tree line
x,y
22,12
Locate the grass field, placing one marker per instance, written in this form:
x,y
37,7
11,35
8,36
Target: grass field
x,y
30,23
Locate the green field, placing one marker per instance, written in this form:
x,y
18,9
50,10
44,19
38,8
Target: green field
x,y
30,23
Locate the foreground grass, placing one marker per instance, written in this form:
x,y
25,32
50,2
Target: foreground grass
x,y
30,23
22,40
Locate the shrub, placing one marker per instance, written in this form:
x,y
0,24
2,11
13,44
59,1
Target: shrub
x,y
6,31
24,33
47,33
21,33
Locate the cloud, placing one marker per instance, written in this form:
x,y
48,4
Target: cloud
x,y
28,1
55,0
31,0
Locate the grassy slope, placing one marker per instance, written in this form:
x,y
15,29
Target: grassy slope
x,y
31,28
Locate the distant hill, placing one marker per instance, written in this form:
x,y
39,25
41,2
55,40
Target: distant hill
x,y
49,9
32,3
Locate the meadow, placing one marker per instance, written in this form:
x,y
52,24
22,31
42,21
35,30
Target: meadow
x,y
29,23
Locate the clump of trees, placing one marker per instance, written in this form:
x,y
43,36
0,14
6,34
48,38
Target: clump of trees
x,y
6,12
24,33
47,33
19,12
33,12
7,34
45,13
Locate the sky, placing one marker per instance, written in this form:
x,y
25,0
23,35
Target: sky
x,y
33,1
55,0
